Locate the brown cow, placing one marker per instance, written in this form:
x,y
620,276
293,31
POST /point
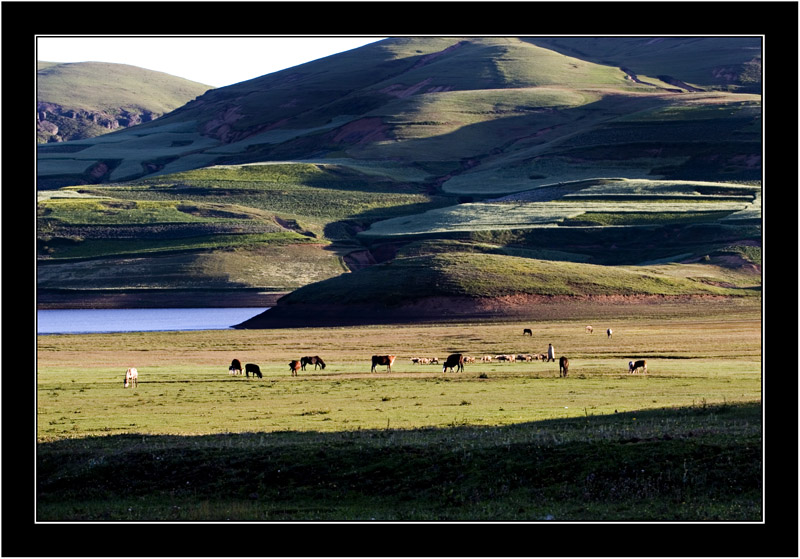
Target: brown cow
x,y
563,366
455,360
387,360
634,366
294,366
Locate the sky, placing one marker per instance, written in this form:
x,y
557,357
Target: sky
x,y
211,60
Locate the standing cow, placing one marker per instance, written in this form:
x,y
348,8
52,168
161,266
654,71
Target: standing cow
x,y
527,331
235,368
252,368
634,366
563,366
387,360
609,332
131,377
455,360
294,366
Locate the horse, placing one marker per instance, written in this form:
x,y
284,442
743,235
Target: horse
x,y
131,377
316,361
563,366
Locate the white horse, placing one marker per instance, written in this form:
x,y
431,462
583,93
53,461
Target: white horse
x,y
131,377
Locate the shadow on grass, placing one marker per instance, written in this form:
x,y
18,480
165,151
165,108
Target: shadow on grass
x,y
695,463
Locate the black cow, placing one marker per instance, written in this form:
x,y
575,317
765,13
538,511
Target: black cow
x,y
527,331
316,361
563,366
235,368
387,360
252,368
454,360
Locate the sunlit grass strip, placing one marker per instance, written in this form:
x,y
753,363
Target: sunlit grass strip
x,y
95,248
519,215
106,211
643,218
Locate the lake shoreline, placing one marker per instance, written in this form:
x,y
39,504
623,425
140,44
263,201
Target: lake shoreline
x,y
64,299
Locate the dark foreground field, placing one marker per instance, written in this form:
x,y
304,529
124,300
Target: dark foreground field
x,y
700,462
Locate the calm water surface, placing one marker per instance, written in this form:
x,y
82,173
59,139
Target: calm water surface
x,y
93,321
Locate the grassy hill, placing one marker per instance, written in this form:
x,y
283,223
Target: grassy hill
x,y
450,106
638,155
88,99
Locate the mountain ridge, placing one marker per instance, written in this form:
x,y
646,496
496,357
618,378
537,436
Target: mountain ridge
x,y
81,100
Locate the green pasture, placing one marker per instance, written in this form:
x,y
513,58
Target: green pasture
x,y
185,388
495,442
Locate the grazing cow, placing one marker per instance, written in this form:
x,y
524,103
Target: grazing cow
x,y
294,366
235,368
131,377
252,368
634,366
455,360
563,366
589,329
609,332
387,360
527,331
551,353
316,361
434,360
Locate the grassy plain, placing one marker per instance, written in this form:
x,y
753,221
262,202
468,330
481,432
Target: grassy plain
x,y
499,441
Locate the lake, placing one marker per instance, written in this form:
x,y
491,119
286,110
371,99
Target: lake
x,y
95,321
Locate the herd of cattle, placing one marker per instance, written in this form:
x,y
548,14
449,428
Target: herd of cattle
x,y
453,362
